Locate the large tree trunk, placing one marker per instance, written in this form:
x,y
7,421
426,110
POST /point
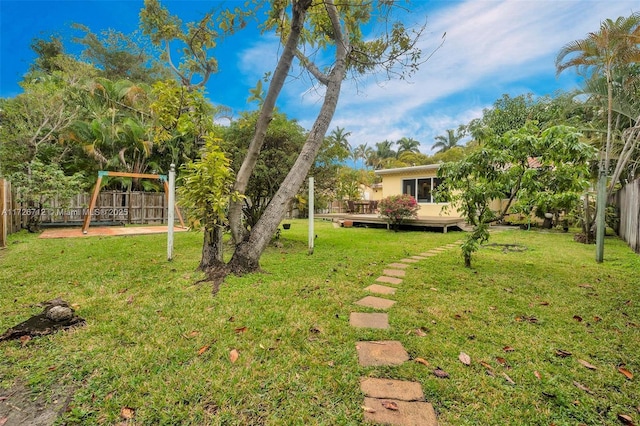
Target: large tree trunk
x,y
300,8
246,257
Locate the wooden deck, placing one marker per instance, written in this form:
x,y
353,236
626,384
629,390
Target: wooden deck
x,y
373,220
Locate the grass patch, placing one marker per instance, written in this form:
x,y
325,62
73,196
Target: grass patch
x,y
160,345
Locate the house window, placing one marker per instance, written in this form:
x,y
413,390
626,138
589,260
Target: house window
x,y
421,189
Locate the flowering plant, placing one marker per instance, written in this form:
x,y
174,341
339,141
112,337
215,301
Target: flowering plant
x,y
397,208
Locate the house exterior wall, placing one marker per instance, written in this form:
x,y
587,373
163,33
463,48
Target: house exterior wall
x,y
392,185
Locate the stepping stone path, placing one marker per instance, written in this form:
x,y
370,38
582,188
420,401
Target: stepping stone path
x,y
387,401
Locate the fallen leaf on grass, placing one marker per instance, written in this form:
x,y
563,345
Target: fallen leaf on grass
x,y
440,373
124,290
628,374
464,358
585,286
597,318
562,353
538,376
130,300
588,365
203,349
582,387
502,361
422,361
368,409
544,303
508,379
508,349
419,332
627,420
127,413
390,405
240,330
485,365
24,340
577,318
233,355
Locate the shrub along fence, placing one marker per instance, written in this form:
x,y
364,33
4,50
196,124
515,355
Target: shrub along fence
x,y
627,201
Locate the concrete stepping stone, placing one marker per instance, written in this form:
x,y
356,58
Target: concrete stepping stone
x,y
408,261
367,320
376,302
407,413
381,289
379,353
428,254
389,388
418,257
394,272
398,265
389,280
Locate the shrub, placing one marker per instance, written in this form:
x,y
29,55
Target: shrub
x,y
397,208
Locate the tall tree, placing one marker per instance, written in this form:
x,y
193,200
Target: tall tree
x,y
445,143
336,28
604,52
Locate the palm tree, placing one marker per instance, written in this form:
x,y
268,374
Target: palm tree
x,y
445,143
603,53
360,153
407,145
339,137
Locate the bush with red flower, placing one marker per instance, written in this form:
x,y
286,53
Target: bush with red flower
x,y
397,208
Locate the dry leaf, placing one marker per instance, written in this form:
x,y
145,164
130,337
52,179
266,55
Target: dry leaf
x,y
563,354
628,374
627,420
535,373
485,365
127,413
240,330
577,318
124,290
422,361
194,333
440,373
130,300
489,373
203,349
586,364
508,379
501,360
233,355
420,333
582,387
597,318
585,286
508,349
24,340
464,358
368,409
544,303
390,405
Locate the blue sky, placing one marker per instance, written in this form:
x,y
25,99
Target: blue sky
x,y
492,47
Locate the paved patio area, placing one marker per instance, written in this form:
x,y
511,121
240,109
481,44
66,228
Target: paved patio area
x,y
102,231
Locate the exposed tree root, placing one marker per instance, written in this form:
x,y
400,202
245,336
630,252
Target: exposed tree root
x,y
508,247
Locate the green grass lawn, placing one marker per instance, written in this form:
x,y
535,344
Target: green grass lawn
x,y
160,345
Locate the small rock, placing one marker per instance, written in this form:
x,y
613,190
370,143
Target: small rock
x,y
59,313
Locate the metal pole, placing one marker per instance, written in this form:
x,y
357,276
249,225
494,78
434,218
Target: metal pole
x,y
311,208
171,210
601,225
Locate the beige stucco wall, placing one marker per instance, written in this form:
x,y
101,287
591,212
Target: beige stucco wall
x,y
392,185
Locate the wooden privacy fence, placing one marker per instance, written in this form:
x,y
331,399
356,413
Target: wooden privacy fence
x,y
627,200
9,221
112,207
